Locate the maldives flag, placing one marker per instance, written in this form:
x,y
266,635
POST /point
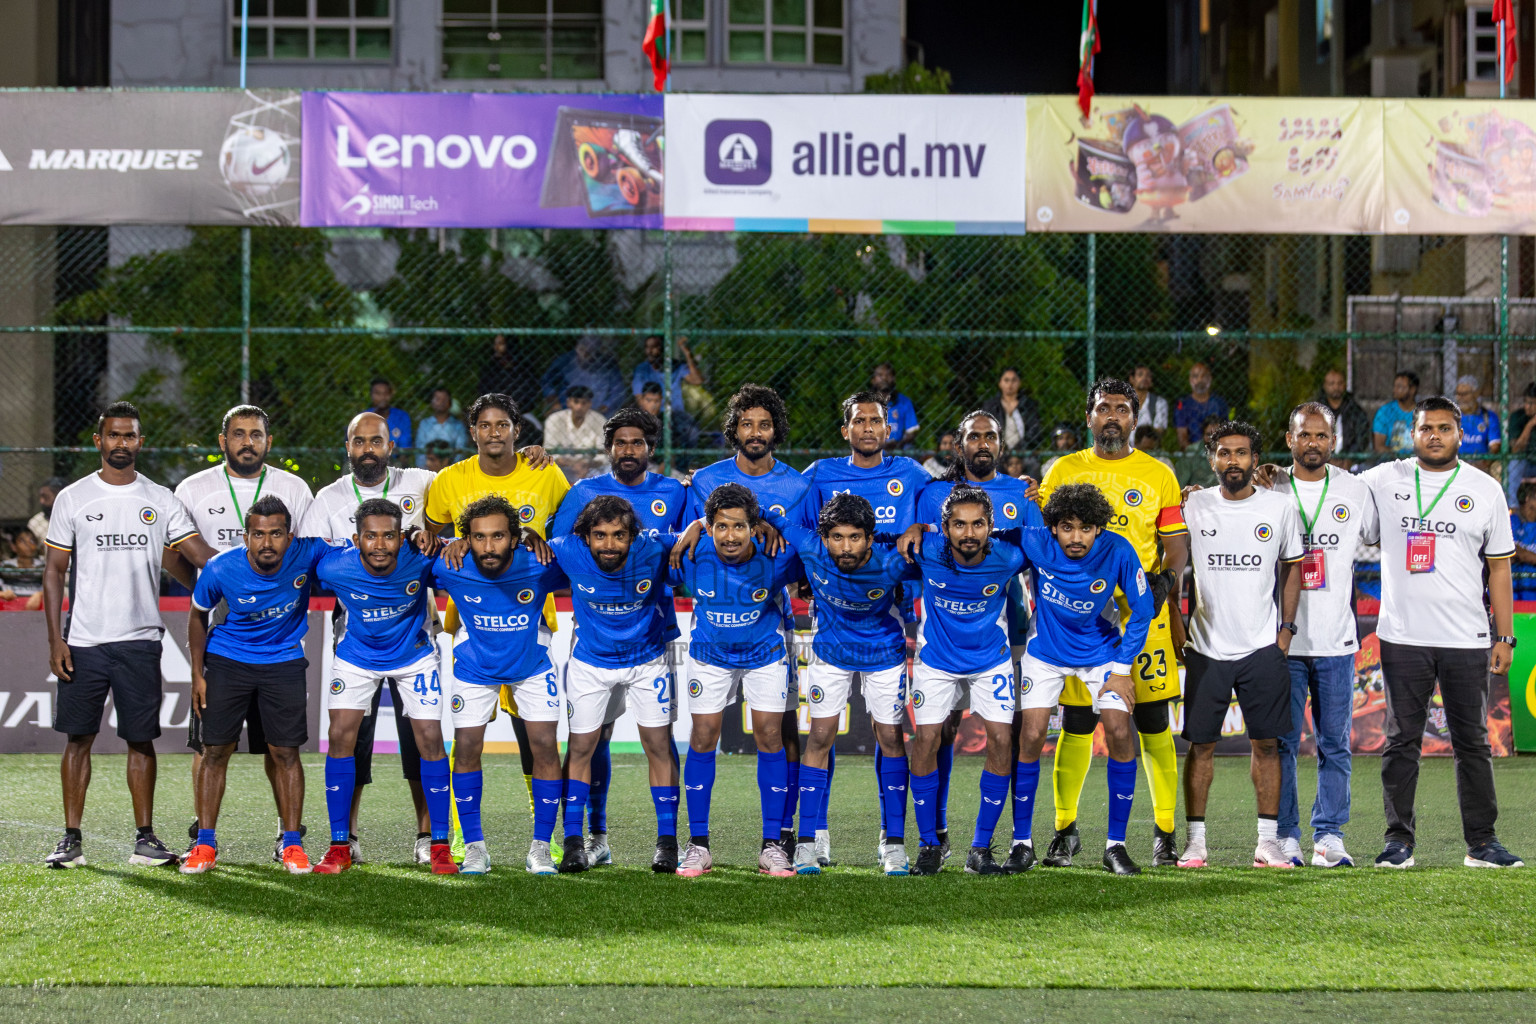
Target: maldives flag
x,y
1504,12
655,43
1087,46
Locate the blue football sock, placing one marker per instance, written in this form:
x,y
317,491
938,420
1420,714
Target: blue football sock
x,y
597,796
893,797
946,765
772,788
665,800
826,792
205,837
1122,790
792,798
546,808
813,790
925,806
467,787
340,777
699,778
434,784
1026,779
994,793
576,796
291,839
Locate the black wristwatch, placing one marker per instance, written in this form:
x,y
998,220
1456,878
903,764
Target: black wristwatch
x,y
1290,626
1505,640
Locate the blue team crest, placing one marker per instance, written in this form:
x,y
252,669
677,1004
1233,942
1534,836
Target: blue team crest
x,y
658,507
300,581
1097,587
147,516
893,488
408,504
917,698
776,509
989,590
457,704
1025,685
1263,532
695,688
643,587
1133,497
412,588
1464,504
337,685
1340,513
817,694
1010,510
876,594
525,514
760,594
524,596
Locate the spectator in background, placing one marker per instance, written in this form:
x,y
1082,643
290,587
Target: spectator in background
x,y
1522,523
23,575
1198,406
382,394
685,432
589,365
1353,426
1013,465
575,426
509,372
1479,425
46,492
938,462
1016,411
1063,439
1392,429
438,455
1523,448
1194,466
652,370
900,413
1148,441
442,425
1153,411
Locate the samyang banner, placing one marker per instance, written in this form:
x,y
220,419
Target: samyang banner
x,y
863,164
483,160
1191,164
146,157
1461,167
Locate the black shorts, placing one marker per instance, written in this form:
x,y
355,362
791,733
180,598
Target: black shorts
x,y
130,671
256,736
278,690
1262,682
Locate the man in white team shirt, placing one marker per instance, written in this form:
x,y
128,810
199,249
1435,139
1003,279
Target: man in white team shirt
x,y
1240,537
112,529
1336,514
217,499
1442,522
333,515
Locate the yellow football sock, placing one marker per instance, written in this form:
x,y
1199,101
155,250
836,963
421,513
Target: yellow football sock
x,y
1161,762
528,783
1074,754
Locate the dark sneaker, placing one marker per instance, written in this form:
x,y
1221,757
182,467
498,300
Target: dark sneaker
x,y
573,857
192,830
1117,860
68,854
277,844
150,852
1020,859
979,862
1491,855
929,860
665,860
1064,846
944,850
1396,855
1164,853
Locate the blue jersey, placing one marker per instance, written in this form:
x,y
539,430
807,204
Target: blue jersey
x,y
892,487
268,614
386,624
961,630
738,609
1077,620
781,489
1524,575
1010,510
620,616
858,626
505,638
660,502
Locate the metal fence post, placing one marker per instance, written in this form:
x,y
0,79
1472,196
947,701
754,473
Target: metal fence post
x,y
1501,358
1093,312
667,327
245,316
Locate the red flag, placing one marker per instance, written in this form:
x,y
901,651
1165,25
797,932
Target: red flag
x,y
1087,46
655,44
1504,13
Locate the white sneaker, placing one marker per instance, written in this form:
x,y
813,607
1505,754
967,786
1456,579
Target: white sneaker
x,y
1194,855
880,846
1269,854
1328,852
772,861
423,850
539,861
598,851
1291,847
696,861
893,860
806,861
823,848
476,860
355,850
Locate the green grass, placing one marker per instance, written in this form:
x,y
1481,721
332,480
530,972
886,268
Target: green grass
x,y
1441,927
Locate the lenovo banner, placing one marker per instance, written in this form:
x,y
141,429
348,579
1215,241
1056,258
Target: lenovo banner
x,y
911,164
483,160
120,157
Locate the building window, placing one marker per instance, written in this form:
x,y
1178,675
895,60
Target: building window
x,y
690,31
785,32
522,39
340,30
1482,44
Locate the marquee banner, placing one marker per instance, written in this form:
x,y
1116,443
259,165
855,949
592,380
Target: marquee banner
x,y
1461,167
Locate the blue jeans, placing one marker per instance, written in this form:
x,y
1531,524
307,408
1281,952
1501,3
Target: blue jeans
x,y
1330,682
1518,468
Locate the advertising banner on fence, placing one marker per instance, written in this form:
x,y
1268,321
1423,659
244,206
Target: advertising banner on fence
x,y
482,160
910,164
123,157
1189,164
1461,167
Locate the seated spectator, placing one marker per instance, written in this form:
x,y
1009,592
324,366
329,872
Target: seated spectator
x,y
1063,439
1153,411
899,410
576,426
1353,432
938,462
1013,465
443,425
1148,441
1016,411
652,370
685,432
589,365
1522,523
1198,406
438,456
23,575
1392,429
509,372
382,394
1523,448
1193,466
1479,425
46,492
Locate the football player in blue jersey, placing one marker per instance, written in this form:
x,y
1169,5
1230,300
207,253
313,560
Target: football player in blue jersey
x,y
382,585
738,644
1077,567
257,651
855,578
659,505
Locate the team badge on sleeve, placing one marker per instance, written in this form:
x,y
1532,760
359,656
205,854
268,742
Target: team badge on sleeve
x,y
658,507
1133,497
524,596
1464,504
412,588
643,587
989,590
1010,510
1340,513
1263,532
760,594
1097,587
147,516
893,488
300,581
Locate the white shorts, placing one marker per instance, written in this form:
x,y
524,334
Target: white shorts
x,y
935,693
599,695
538,700
420,685
884,690
1040,685
712,689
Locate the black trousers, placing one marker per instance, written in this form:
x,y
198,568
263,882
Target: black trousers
x,y
1410,674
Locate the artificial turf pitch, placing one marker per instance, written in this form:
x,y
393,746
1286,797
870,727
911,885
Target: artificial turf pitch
x,y
248,941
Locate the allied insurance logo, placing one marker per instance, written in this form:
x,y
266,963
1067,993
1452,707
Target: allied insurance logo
x,y
738,152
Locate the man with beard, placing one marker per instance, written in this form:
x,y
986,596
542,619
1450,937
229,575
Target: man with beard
x,y
659,505
1146,500
333,515
1241,537
1442,529
217,499
106,542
